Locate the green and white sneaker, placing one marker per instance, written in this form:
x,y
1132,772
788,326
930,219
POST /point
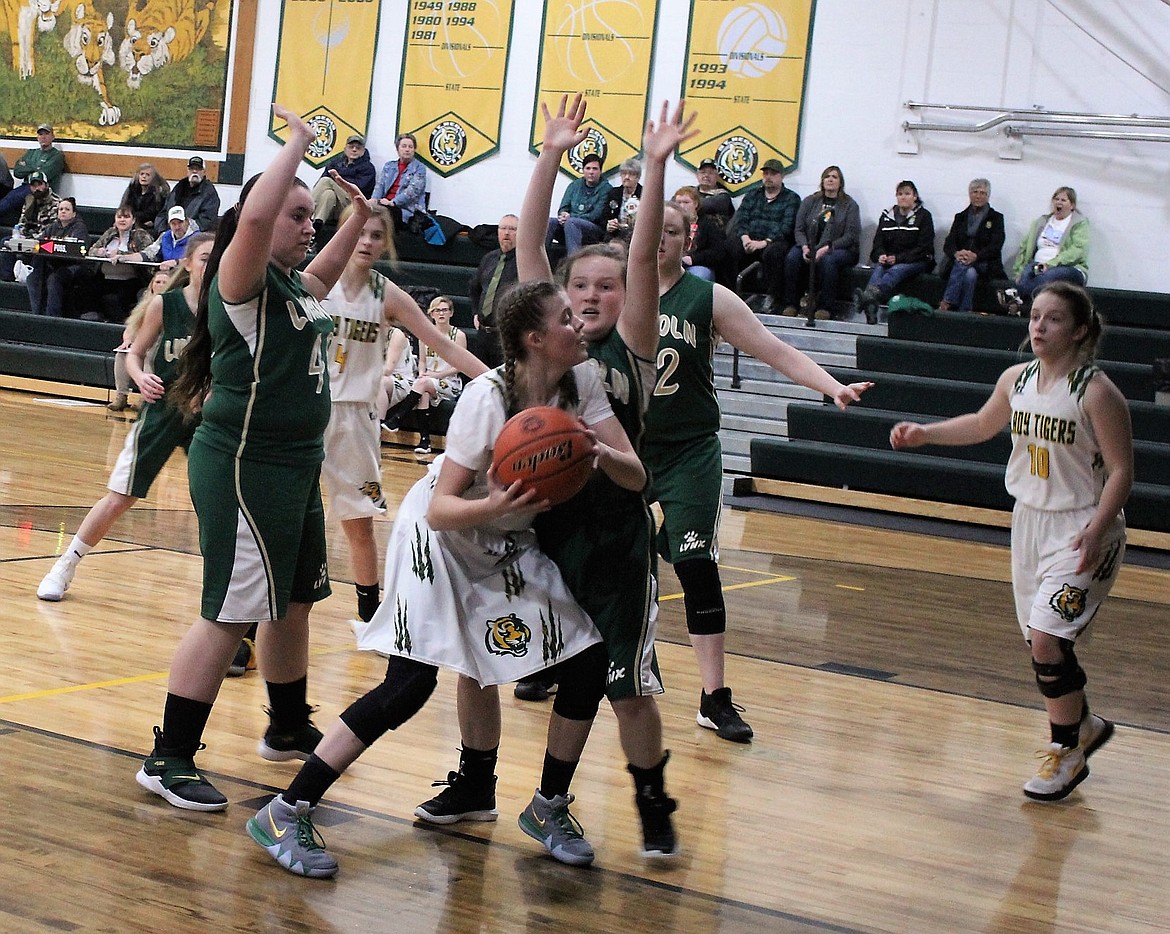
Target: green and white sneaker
x,y
550,822
288,834
175,779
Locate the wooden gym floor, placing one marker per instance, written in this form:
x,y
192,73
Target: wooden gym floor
x,y
894,711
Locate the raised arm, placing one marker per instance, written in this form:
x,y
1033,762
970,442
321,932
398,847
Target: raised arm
x,y
561,133
638,323
399,308
149,384
328,265
245,261
739,326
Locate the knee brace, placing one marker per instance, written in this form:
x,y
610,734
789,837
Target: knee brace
x,y
581,684
1062,678
702,596
407,687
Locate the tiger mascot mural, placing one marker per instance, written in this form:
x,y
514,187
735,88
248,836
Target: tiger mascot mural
x,y
89,43
24,19
161,31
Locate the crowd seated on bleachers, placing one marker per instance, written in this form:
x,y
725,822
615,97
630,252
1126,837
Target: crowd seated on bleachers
x,y
1055,248
828,239
903,248
112,288
973,250
195,194
146,194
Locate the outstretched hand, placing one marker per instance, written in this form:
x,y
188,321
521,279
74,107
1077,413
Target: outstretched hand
x,y
850,393
297,128
361,206
659,141
564,131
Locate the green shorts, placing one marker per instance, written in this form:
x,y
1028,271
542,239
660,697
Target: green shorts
x,y
607,563
262,534
686,480
151,441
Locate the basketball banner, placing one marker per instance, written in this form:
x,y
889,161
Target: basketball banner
x,y
451,97
745,71
605,50
325,70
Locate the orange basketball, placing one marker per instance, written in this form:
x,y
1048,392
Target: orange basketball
x,y
547,451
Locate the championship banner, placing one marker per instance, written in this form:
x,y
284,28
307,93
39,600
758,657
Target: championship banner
x,y
603,49
745,72
451,97
325,70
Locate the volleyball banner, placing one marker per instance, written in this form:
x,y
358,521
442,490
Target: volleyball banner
x,y
325,70
746,65
451,97
605,50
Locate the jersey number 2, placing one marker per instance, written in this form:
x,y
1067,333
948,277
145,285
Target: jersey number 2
x,y
667,363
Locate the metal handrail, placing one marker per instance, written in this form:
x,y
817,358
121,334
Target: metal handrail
x,y
1036,115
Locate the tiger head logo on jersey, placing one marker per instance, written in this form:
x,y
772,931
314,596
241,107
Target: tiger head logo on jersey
x,y
373,490
508,635
1069,602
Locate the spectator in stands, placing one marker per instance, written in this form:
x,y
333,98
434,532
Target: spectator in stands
x,y
764,230
39,211
973,249
5,176
1055,248
828,234
903,247
114,286
707,255
579,218
169,248
196,196
146,195
402,183
49,280
352,164
714,198
621,207
497,271
44,158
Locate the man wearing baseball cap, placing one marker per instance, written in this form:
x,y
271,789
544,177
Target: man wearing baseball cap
x,y
765,227
195,195
352,164
714,198
168,249
44,158
38,212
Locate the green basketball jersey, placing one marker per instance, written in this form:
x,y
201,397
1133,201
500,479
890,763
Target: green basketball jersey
x,y
269,380
684,404
172,340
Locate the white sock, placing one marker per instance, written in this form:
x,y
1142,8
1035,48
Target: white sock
x,y
76,551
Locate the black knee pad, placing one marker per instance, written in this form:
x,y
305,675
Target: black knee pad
x,y
581,684
1063,678
407,686
702,596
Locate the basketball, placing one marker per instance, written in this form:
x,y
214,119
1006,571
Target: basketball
x,y
545,449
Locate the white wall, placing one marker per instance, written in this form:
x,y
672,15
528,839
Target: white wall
x,y
868,58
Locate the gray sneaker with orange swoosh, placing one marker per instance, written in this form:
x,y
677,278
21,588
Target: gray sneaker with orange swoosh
x,y
286,831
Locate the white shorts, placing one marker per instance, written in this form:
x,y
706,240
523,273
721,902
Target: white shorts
x,y
352,471
1050,595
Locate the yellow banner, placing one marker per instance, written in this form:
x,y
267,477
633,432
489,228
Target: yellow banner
x,y
454,59
325,70
604,49
745,71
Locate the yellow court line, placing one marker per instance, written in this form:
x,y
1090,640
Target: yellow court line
x,y
53,692
730,587
850,587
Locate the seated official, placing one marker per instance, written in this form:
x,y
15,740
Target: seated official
x,y
903,247
973,250
578,219
354,166
39,211
49,280
111,289
621,207
1055,248
828,237
402,183
168,249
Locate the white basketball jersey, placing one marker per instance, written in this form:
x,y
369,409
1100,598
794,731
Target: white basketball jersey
x,y
357,349
1056,463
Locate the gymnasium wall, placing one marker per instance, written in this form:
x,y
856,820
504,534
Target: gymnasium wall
x,y
868,58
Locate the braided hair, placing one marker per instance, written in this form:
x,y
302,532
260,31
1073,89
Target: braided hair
x,y
520,311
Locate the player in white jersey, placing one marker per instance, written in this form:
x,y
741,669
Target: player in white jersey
x,y
362,304
1070,471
